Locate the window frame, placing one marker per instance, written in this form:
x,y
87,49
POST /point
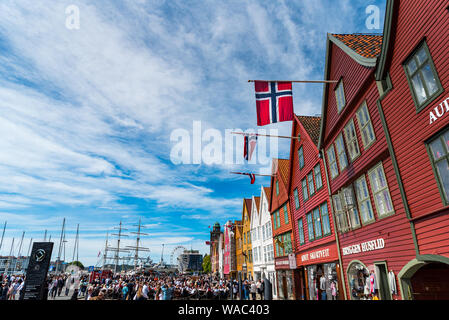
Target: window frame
x,y
306,188
433,162
296,198
310,231
340,136
301,159
309,187
315,221
336,90
324,204
286,220
366,199
350,140
277,187
330,163
301,232
380,164
419,107
318,165
364,105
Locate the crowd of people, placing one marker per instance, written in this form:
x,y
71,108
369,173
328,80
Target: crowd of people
x,y
11,287
169,287
138,287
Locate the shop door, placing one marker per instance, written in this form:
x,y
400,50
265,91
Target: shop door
x,y
284,287
382,277
431,282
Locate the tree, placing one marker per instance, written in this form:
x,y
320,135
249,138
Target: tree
x,y
77,263
206,264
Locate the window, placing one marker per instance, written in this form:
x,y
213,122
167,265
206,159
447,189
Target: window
x,y
351,140
295,194
317,223
325,219
351,207
342,159
288,243
277,187
304,190
340,96
310,226
422,77
301,157
244,238
311,186
381,194
333,168
301,232
362,193
285,214
248,237
278,219
365,126
438,149
318,181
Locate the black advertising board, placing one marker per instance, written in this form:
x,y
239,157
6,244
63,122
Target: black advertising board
x,y
36,276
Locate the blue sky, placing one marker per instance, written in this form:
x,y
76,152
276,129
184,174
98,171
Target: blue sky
x,y
86,114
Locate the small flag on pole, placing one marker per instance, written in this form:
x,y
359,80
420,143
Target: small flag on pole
x,y
99,252
248,148
252,176
274,102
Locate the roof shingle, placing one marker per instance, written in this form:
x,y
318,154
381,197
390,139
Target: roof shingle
x,y
366,45
312,126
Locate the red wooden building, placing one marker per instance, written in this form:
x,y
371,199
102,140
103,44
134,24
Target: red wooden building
x,y
282,231
316,250
413,71
374,233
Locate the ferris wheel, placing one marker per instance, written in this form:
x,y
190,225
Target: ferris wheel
x,y
175,256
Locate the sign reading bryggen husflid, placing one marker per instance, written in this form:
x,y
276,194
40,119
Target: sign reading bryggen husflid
x,y
36,275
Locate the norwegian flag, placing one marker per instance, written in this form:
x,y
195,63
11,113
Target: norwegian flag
x,y
248,148
252,176
274,102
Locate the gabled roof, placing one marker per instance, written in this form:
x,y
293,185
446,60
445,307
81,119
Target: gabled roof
x,y
362,48
312,126
284,169
248,205
257,200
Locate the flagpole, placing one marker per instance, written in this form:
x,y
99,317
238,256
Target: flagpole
x,y
264,135
256,174
300,81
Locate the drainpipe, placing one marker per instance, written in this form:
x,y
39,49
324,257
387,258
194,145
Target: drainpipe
x,y
335,225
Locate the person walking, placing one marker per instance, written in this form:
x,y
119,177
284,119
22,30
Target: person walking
x,y
253,290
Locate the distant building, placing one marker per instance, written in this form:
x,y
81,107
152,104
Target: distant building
x,y
10,264
214,247
191,260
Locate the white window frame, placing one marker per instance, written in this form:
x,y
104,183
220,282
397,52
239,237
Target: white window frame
x,y
332,159
340,96
365,125
351,140
363,198
381,190
341,152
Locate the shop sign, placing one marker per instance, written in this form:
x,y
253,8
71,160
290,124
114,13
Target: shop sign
x,y
282,262
364,247
315,255
292,261
439,111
